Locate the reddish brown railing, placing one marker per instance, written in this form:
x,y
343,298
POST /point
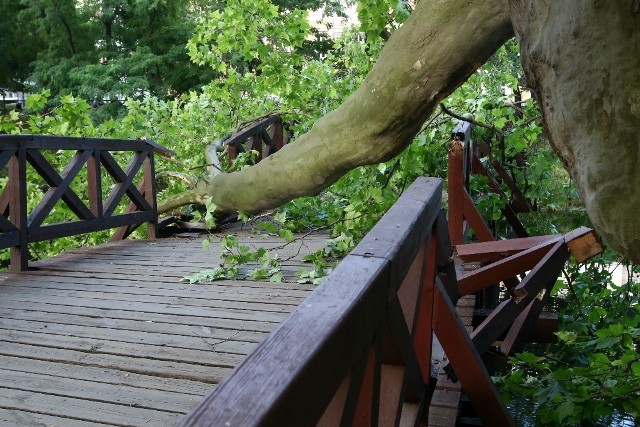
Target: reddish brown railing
x,y
358,350
18,227
464,161
527,267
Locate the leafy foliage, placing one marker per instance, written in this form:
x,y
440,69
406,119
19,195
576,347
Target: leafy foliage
x,y
593,374
262,265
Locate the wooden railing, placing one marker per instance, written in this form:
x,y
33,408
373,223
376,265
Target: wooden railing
x,y
526,267
464,161
265,136
358,350
18,153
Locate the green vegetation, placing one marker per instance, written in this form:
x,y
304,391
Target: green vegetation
x,y
191,80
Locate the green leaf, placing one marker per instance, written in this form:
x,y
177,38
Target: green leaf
x,y
277,277
527,357
565,409
287,235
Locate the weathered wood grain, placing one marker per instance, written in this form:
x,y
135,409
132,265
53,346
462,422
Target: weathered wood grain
x,y
111,335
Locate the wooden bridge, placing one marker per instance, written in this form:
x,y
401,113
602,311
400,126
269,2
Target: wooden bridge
x,y
109,335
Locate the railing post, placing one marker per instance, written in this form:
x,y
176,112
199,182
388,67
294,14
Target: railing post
x,y
94,178
149,192
455,190
19,255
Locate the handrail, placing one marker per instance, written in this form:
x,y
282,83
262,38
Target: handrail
x,y
357,351
18,227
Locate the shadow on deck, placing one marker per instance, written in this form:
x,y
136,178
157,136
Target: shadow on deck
x,y
110,334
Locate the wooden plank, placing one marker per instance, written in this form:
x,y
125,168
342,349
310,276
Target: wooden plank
x,y
455,188
165,401
583,244
51,142
18,255
523,325
197,341
85,410
54,231
133,362
389,238
476,221
14,417
496,250
145,307
239,290
54,295
44,320
104,375
226,354
545,272
114,315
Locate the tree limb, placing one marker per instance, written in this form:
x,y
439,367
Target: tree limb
x,y
441,44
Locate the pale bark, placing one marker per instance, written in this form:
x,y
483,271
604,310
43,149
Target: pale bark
x,y
436,50
582,58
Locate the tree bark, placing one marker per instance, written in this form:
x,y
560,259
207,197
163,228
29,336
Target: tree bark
x,y
582,60
435,51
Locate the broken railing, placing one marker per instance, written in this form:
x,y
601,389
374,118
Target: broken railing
x,y
265,136
526,267
357,351
92,184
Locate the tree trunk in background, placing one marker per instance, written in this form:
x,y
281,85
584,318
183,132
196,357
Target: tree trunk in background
x,y
435,51
582,60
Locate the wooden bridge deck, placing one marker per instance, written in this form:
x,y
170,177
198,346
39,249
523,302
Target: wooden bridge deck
x,y
109,335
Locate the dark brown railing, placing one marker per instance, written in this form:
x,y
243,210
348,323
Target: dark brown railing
x,y
19,227
358,350
265,136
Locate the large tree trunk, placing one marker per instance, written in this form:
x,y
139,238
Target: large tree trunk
x,y
582,58
436,50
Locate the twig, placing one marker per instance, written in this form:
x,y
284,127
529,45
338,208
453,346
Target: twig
x,y
313,230
531,120
472,121
430,122
391,172
206,165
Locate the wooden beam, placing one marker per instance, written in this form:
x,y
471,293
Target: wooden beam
x,y
476,221
455,188
583,244
466,362
543,275
523,326
19,254
504,269
498,249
